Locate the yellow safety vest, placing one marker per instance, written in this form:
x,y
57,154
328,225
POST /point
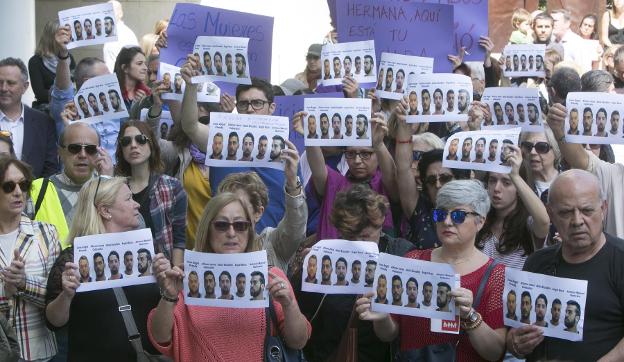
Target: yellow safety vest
x,y
51,211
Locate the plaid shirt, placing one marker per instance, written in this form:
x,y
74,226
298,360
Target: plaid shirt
x,y
168,210
39,246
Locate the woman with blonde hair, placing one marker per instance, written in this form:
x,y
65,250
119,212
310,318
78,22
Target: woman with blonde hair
x,y
104,205
42,65
148,45
193,333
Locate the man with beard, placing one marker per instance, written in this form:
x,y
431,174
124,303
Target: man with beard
x,y
209,284
98,266
413,104
225,283
218,62
539,62
232,146
208,64
241,65
217,147
82,103
83,269
533,114
368,65
525,307
348,125
326,69
276,148
389,79
114,99
337,67
541,303
498,112
615,122
588,119
427,295
516,63
479,150
358,65
437,101
400,79
98,27
240,285
443,297
509,112
426,102
104,102
193,285
450,101
311,269
312,127
531,61
248,146
326,270
356,270
336,126
78,29
256,286
128,263
88,27
397,290
601,123
228,63
505,151
462,101
452,150
466,148
144,260
572,316
493,149
177,83
573,122
341,272
94,105
324,126
520,111
412,293
109,24
511,305
508,63
369,275
523,62
555,313
382,289
361,126
347,66
380,79
263,145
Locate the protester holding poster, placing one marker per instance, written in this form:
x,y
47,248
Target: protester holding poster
x,y
104,205
461,209
131,70
225,228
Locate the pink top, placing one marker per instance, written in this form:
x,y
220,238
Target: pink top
x,y
219,334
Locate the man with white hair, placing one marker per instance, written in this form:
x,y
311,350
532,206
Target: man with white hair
x,y
574,47
125,37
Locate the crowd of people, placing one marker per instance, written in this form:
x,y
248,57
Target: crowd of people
x,y
559,211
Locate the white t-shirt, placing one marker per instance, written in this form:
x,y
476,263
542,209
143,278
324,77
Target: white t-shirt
x,y
7,244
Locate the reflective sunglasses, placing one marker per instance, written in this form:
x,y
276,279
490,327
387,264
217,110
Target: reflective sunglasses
x,y
256,104
224,226
364,155
457,216
9,186
443,178
126,140
75,148
540,147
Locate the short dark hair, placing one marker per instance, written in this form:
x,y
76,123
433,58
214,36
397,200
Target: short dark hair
x,y
257,273
542,296
556,301
113,252
565,80
9,141
240,275
578,307
227,274
249,134
193,272
260,84
25,169
412,279
128,252
445,285
207,273
326,257
97,255
525,294
543,16
343,260
427,284
15,62
396,277
143,250
356,262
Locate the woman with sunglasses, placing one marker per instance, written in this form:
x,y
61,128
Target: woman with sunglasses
x,y
518,223
95,328
131,70
161,198
460,212
197,333
542,159
28,249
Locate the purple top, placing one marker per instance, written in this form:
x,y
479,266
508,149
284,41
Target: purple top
x,y
335,183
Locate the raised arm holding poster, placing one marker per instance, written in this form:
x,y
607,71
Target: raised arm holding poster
x,y
484,150
394,70
594,118
513,107
90,25
348,119
524,60
99,99
451,95
213,51
342,57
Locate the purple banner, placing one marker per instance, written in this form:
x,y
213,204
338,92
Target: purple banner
x,y
399,27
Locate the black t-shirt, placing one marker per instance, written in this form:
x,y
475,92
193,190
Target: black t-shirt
x,y
604,309
142,198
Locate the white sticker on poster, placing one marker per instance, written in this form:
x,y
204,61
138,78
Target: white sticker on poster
x,y
512,107
394,70
223,59
337,122
90,25
439,97
99,99
356,59
170,75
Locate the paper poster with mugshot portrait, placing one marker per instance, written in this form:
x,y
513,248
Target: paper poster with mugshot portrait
x,y
337,122
337,266
165,126
114,260
556,305
356,59
226,280
440,97
594,118
170,75
512,107
99,99
413,287
524,60
246,140
394,70
222,59
90,25
484,150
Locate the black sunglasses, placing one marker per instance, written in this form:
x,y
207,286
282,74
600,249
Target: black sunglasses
x,y
540,147
75,148
97,188
9,186
443,178
364,155
256,104
457,216
126,140
239,226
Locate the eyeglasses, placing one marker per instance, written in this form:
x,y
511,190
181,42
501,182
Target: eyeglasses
x,y
224,226
443,178
126,140
417,155
256,104
364,155
540,147
97,188
457,216
9,186
75,148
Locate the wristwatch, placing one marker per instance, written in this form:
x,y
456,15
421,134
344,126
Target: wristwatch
x,y
473,316
472,321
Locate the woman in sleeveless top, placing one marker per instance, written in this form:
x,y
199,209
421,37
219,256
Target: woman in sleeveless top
x,y
613,24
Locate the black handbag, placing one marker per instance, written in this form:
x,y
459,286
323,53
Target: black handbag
x,y
275,350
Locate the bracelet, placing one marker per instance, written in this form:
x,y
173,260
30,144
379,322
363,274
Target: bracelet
x,y
561,139
468,325
398,141
63,58
168,299
156,116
